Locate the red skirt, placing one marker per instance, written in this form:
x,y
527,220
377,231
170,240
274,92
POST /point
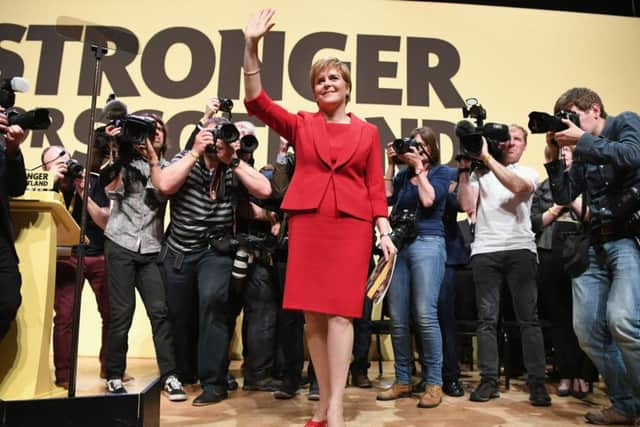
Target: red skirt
x,y
328,260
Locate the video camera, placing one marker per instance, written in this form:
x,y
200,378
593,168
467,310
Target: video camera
x,y
471,135
37,119
135,129
540,122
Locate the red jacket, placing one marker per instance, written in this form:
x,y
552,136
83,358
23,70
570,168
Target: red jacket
x,y
357,173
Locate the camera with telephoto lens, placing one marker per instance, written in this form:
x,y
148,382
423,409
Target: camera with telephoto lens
x,y
248,144
470,135
74,169
250,247
37,119
540,122
404,228
227,132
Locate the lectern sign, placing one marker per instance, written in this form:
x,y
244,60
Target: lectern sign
x,y
39,180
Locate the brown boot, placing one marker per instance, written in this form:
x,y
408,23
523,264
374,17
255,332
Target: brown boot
x,y
608,416
432,396
395,392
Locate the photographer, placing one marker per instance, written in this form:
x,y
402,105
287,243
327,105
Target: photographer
x,y
421,191
13,182
290,323
134,233
69,181
499,197
606,296
253,289
198,252
553,224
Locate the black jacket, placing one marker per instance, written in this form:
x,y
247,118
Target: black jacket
x,y
13,182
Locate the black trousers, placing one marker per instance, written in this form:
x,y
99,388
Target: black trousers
x,y
10,282
362,340
198,302
556,304
362,335
518,269
127,271
447,320
290,333
260,301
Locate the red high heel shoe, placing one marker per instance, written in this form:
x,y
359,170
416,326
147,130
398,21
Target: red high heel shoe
x,y
312,423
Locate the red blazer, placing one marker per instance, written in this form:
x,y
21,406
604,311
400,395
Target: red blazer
x,y
357,173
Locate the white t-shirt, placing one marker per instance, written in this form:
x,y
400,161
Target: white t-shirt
x,y
503,220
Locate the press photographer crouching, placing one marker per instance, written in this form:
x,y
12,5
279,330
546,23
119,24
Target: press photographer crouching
x,y
203,182
418,195
498,196
606,296
134,234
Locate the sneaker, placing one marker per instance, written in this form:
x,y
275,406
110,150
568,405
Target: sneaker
x,y
488,389
173,389
115,386
285,390
126,378
608,416
232,384
538,395
314,392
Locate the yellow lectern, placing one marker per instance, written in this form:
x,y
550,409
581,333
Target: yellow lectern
x,y
41,222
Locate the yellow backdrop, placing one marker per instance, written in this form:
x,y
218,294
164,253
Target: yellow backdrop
x,y
412,63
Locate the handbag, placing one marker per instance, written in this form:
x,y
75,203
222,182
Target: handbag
x,y
575,245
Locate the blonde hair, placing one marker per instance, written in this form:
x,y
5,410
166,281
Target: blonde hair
x,y
325,63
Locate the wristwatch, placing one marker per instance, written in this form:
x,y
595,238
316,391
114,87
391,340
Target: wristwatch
x,y
235,162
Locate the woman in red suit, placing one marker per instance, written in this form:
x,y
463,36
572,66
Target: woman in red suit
x,y
336,194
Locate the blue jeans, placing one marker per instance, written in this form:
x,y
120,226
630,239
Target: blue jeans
x,y
414,292
606,319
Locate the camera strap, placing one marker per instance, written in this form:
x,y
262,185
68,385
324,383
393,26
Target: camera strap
x,y
402,190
